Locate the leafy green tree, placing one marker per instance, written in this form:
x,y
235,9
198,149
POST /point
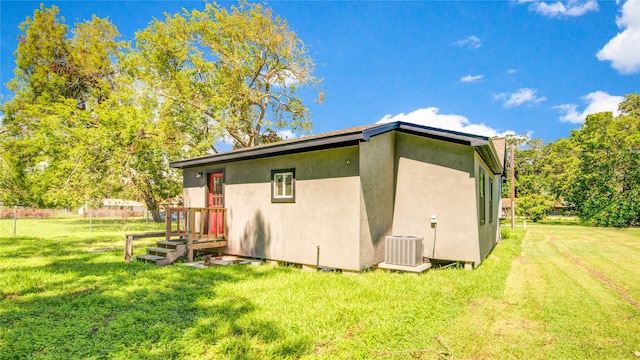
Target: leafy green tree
x,y
225,73
534,207
92,117
559,168
52,153
607,185
528,163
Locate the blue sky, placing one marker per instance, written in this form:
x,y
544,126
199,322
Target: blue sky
x,y
485,67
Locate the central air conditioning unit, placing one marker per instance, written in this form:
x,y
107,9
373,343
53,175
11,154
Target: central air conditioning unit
x,y
403,250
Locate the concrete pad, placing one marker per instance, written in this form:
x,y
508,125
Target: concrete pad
x,y
195,264
414,269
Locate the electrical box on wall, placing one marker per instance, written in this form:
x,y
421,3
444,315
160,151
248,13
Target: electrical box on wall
x,y
434,219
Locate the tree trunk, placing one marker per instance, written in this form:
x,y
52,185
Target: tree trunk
x,y
152,204
155,213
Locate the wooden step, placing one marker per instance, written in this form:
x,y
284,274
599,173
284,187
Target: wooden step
x,y
160,251
170,244
173,255
150,258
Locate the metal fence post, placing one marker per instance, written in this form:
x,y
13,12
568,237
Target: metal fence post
x,y
15,219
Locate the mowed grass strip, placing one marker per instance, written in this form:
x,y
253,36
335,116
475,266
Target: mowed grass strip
x,y
60,298
554,308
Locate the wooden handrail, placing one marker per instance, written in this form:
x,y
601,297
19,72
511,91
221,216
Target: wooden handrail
x,y
197,225
181,221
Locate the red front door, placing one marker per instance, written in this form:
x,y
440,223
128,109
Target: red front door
x,y
215,199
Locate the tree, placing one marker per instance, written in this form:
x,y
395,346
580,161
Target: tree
x,y
607,184
52,153
528,164
560,164
222,73
533,206
92,117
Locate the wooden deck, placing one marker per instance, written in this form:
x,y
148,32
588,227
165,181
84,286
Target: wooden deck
x,y
187,231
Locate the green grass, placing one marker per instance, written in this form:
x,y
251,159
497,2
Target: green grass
x,y
67,293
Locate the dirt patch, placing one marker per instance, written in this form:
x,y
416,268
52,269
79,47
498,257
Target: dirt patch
x,y
598,275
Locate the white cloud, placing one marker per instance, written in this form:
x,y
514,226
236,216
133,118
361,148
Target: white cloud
x,y
287,134
562,8
471,42
285,78
512,71
624,49
522,96
471,78
430,117
597,101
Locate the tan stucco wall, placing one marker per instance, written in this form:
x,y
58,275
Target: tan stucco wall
x,y
349,199
376,198
437,178
326,212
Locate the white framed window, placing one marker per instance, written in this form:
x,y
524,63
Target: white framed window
x,y
283,183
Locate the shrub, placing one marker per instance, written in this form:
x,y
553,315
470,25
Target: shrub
x,y
505,233
25,213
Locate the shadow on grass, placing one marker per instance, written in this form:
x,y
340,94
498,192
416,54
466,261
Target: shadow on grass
x,y
27,247
85,307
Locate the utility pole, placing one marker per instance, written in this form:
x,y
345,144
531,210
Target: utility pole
x,y
513,186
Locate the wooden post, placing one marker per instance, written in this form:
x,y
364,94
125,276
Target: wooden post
x,y
167,221
128,248
204,214
191,228
513,186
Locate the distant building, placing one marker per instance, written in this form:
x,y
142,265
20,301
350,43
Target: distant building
x,y
118,207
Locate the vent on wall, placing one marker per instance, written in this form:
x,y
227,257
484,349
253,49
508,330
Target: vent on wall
x,y
403,250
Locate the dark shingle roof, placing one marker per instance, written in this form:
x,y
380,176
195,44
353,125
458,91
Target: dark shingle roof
x,y
347,137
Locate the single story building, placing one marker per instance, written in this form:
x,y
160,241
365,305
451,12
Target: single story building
x,y
116,207
331,199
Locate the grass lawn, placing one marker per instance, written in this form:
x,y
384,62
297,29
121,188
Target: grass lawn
x,y
552,292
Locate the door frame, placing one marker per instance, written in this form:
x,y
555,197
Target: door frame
x,y
214,221
208,186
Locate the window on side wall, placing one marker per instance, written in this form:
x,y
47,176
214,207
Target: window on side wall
x,y
283,186
482,199
490,200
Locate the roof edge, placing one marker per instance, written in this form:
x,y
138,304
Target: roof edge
x,y
253,153
482,144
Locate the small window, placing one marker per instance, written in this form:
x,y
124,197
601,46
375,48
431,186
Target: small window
x,y
283,183
482,200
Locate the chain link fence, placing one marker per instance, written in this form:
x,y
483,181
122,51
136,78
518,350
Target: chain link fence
x,y
12,218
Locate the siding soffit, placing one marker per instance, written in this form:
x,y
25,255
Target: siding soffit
x,y
347,137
